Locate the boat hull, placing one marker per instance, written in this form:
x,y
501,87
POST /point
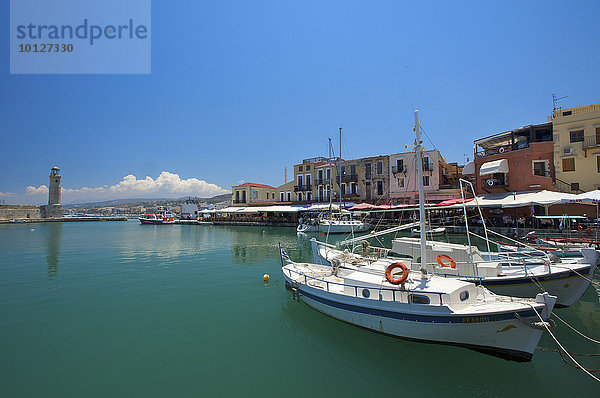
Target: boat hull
x,y
156,222
568,286
506,337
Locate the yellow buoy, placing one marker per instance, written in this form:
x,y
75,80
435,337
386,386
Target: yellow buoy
x,y
264,232
266,277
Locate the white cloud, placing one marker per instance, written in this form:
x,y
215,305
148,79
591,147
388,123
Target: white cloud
x,y
166,185
6,194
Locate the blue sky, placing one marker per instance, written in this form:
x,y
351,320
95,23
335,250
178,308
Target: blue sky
x,y
241,89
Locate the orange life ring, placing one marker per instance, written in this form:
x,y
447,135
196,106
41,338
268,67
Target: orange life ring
x,y
441,257
393,266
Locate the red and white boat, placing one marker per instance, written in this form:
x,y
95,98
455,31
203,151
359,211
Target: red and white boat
x,y
160,217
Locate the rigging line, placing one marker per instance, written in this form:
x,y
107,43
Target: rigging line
x,y
430,141
545,324
575,330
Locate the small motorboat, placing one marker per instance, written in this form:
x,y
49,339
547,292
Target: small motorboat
x,y
428,231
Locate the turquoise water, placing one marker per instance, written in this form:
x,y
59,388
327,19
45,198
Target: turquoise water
x,y
119,309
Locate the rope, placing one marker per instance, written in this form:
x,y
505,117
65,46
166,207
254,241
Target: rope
x,y
576,331
561,347
572,353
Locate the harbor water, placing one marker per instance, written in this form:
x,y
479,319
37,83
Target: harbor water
x,y
120,309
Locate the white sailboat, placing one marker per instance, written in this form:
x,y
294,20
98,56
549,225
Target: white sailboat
x,y
340,222
417,305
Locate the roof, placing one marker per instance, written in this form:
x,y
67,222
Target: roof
x,y
254,185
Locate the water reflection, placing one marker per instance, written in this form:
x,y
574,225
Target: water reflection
x,y
169,243
53,242
252,245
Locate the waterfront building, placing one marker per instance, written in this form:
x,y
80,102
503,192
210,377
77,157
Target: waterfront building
x,y
315,179
366,179
440,178
577,148
248,193
515,160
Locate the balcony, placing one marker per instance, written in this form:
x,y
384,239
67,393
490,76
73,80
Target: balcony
x,y
349,177
398,169
591,142
306,187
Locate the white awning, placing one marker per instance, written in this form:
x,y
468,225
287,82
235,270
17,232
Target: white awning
x,y
587,197
496,166
469,168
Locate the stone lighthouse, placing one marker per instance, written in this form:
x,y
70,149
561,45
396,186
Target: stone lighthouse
x,y
54,209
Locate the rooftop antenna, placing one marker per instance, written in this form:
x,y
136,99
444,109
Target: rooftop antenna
x,y
555,100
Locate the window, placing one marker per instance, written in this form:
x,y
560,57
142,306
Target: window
x,y
300,182
464,295
400,182
577,136
418,299
343,189
353,169
598,163
379,167
399,165
568,164
320,176
426,181
540,168
281,196
379,188
343,170
307,180
307,168
289,196
574,186
368,190
328,174
300,168
426,163
300,196
309,196
368,171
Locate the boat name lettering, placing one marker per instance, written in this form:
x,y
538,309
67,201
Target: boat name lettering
x,y
476,319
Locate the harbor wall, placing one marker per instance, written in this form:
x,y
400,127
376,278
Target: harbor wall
x,y
9,212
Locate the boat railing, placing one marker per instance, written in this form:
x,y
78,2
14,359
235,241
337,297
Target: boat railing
x,y
396,295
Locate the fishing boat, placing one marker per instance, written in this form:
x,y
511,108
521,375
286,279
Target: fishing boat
x,y
400,300
423,307
161,217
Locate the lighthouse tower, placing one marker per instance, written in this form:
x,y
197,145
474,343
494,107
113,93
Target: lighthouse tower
x,y
54,208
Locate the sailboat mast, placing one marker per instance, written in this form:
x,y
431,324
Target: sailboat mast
x,y
339,169
419,152
329,183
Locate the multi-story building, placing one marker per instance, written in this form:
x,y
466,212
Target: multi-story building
x,y
366,179
314,180
577,148
515,160
440,179
248,193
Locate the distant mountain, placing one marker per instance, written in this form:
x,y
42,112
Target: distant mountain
x,y
146,201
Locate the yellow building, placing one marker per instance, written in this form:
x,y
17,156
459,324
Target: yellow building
x,y
245,194
577,148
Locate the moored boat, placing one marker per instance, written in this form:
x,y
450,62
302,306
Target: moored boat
x,y
161,217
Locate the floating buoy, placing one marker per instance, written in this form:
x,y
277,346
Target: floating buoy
x,y
33,229
265,277
322,233
264,232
